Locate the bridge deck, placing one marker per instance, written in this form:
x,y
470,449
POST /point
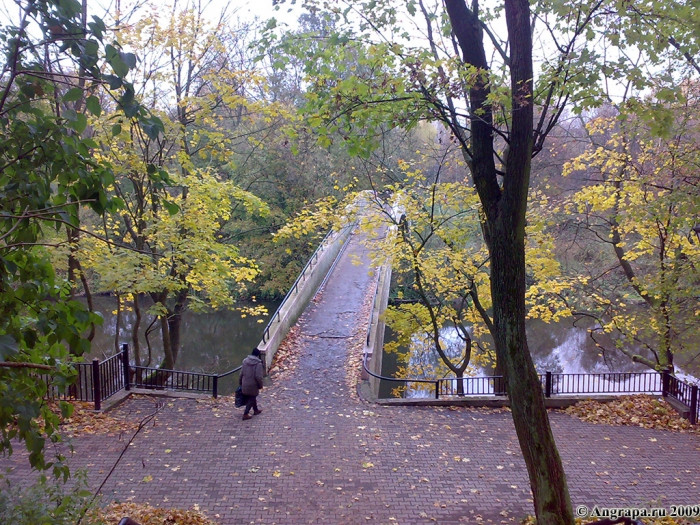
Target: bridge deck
x,y
319,454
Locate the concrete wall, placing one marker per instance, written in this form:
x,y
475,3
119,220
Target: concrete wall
x,y
298,299
374,344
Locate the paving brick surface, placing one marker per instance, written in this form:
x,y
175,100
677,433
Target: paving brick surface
x,y
320,454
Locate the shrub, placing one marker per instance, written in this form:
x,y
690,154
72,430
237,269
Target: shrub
x,y
49,501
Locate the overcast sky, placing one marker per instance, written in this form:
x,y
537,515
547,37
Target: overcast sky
x,y
243,9
263,9
246,9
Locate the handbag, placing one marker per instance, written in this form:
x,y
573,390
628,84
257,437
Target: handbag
x,y
241,398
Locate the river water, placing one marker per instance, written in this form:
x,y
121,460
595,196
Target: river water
x,y
555,347
213,342
218,341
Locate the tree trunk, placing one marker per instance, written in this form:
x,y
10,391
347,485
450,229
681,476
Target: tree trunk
x,y
460,382
504,207
499,385
168,358
74,269
72,237
88,298
135,333
545,470
175,322
117,330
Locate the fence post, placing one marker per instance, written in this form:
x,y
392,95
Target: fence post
x,y
437,389
694,405
548,384
216,386
96,387
125,365
499,386
665,382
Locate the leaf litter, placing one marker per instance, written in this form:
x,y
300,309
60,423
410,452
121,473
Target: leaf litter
x,y
639,410
85,420
147,515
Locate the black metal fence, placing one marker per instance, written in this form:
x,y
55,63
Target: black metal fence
x,y
100,380
603,383
111,375
80,390
683,393
471,386
554,384
162,379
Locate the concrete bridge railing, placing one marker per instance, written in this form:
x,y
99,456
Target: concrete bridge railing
x,y
374,344
302,291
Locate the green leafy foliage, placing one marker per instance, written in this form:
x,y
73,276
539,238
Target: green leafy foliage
x,y
49,503
498,93
642,214
47,171
170,239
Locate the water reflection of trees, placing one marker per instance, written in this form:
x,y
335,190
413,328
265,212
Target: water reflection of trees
x,y
564,348
211,342
424,363
555,347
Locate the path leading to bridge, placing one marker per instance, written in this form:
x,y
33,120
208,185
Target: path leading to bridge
x,y
320,454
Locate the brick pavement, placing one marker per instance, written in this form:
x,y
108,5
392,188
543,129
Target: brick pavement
x,y
320,454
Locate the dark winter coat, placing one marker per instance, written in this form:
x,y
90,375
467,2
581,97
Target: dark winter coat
x,y
251,378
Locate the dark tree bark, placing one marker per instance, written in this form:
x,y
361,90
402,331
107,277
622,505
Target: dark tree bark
x,y
135,332
504,209
88,298
169,359
118,328
175,322
170,324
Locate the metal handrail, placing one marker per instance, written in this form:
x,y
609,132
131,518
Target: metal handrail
x,y
167,370
276,317
86,390
380,270
548,385
294,287
602,383
229,372
202,378
337,258
435,382
404,380
542,377
111,381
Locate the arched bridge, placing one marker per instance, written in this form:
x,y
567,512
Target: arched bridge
x,y
319,453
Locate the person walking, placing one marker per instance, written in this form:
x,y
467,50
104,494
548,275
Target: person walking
x,y
251,382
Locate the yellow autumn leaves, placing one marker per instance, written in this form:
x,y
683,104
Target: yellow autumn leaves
x,y
641,207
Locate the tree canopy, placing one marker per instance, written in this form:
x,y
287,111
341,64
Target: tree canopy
x,y
471,68
529,160
57,66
